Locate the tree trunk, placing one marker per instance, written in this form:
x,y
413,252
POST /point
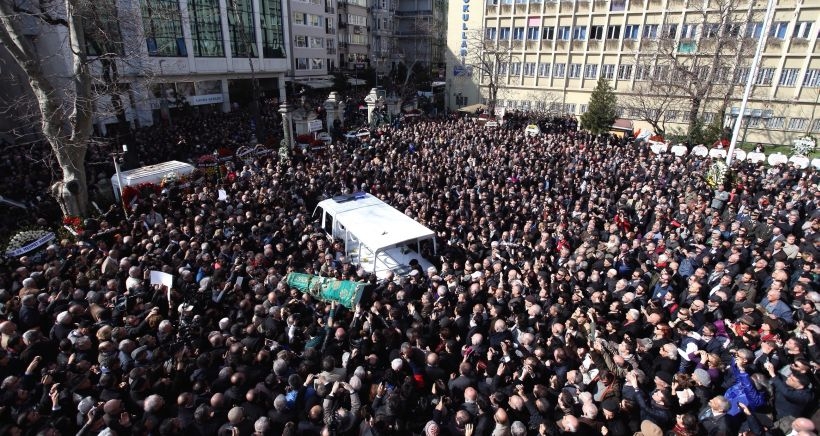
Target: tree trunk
x,y
493,93
72,191
693,113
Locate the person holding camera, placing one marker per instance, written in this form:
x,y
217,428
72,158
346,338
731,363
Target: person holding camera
x,y
338,419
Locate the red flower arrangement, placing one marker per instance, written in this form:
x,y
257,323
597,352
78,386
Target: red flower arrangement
x,y
143,190
73,222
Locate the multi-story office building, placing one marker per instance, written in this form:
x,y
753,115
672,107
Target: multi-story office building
x,y
205,52
555,51
312,40
174,55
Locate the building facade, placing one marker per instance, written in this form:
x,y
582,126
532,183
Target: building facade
x,y
354,36
313,39
384,49
555,51
420,32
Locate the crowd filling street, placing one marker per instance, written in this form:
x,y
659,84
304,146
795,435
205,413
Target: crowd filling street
x,y
582,285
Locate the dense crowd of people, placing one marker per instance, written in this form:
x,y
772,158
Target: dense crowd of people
x,y
581,285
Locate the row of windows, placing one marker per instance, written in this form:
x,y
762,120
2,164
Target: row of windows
x,y
614,5
310,63
164,33
802,29
305,19
788,76
303,41
794,124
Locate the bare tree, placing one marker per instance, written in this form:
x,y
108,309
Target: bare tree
x,y
73,68
702,59
490,59
651,103
544,102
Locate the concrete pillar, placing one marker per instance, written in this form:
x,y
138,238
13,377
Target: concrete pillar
x,y
226,96
371,99
286,110
331,106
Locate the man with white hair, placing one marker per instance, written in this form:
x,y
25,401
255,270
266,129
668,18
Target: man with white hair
x,y
63,327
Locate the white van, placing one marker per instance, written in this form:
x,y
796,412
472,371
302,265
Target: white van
x,y
376,236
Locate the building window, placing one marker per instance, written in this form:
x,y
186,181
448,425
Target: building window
x,y
356,20
544,69
240,26
802,30
163,28
671,116
688,31
764,76
812,78
532,33
579,33
102,33
661,72
490,33
815,126
518,34
776,122
302,63
206,28
708,117
549,33
596,33
559,70
642,72
569,108
778,30
670,31
608,71
613,32
710,31
650,31
300,41
574,71
563,33
754,30
591,71
788,76
529,69
631,31
272,31
317,63
798,124
741,76
504,34
515,68
583,109
624,72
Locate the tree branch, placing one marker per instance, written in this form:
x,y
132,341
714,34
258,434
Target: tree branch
x,y
43,16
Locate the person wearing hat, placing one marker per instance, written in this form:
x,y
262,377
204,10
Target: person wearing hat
x,y
614,420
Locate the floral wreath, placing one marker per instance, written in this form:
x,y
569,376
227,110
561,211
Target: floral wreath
x,y
27,241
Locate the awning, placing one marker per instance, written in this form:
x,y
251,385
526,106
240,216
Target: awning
x,y
622,125
356,82
473,108
317,84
